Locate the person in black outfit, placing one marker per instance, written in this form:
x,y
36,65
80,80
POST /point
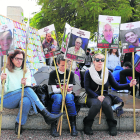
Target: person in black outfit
x,y
129,72
88,58
93,84
128,57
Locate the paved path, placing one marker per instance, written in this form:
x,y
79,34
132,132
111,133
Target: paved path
x,y
45,135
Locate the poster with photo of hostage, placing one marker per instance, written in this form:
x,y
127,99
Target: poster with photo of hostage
x,y
66,36
6,39
130,36
108,31
50,42
77,45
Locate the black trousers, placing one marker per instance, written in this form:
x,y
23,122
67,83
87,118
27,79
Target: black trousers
x,y
128,72
94,104
48,61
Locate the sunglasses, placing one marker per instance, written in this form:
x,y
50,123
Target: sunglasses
x,y
97,59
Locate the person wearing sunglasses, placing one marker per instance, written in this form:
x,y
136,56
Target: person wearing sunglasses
x,y
93,84
13,88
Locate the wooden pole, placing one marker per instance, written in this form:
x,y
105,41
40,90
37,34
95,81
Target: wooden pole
x,y
63,97
103,85
66,107
58,126
69,77
59,86
22,94
134,115
57,73
3,85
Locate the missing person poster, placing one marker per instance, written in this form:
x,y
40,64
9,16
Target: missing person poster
x,y
50,43
66,36
6,39
77,45
108,31
130,36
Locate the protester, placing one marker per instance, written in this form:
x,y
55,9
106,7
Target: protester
x,y
113,59
92,53
13,89
88,58
116,74
127,57
57,97
77,50
93,84
129,72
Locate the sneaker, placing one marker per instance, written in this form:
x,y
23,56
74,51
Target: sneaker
x,y
126,91
120,91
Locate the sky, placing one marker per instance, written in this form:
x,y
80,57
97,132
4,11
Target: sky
x,y
28,6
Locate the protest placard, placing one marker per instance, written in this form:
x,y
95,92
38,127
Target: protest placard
x,y
130,36
108,31
50,43
77,45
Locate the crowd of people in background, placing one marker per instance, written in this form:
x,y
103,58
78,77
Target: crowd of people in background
x,y
117,63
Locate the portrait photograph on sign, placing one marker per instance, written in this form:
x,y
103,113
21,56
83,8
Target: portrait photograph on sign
x,y
50,42
108,31
66,36
6,39
77,45
130,37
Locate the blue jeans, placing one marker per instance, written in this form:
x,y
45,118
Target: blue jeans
x,y
13,99
69,100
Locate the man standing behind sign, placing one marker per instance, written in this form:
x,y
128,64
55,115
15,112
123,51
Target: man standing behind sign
x,y
132,38
77,50
108,33
49,43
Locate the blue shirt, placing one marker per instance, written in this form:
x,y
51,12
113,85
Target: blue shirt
x,y
116,75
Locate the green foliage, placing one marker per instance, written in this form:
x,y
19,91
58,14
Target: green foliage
x,y
25,20
82,14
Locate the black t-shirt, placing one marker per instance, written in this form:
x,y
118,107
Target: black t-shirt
x,y
54,81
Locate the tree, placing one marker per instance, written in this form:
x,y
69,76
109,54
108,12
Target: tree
x,y
81,14
25,19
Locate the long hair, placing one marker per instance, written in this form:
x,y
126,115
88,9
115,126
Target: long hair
x,y
10,66
116,53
